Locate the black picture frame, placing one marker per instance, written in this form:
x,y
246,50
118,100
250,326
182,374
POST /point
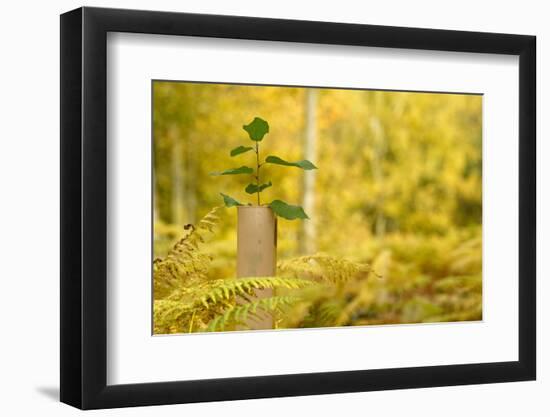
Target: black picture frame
x,y
84,207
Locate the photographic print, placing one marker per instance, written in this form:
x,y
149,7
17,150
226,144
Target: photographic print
x,y
336,190
284,207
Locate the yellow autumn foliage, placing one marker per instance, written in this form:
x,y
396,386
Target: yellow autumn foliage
x,y
397,211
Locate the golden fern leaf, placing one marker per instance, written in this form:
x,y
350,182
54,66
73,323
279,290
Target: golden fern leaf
x,y
185,260
191,307
239,314
323,268
210,293
169,316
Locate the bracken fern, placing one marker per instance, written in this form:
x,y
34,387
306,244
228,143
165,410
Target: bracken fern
x,y
240,315
322,267
186,300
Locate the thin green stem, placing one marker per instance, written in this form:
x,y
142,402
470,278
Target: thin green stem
x,y
258,172
191,322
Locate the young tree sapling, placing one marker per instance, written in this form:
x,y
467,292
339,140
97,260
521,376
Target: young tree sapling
x,y
256,130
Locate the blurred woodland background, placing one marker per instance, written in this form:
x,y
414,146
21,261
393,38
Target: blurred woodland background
x,y
399,187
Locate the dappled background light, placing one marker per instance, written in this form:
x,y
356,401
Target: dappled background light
x,y
398,187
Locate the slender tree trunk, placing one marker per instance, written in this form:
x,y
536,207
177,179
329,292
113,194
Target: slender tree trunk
x,y
191,179
177,177
154,196
379,145
309,232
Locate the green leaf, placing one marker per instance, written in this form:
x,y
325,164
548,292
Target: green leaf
x,y
287,211
229,201
234,171
257,129
240,149
253,188
304,164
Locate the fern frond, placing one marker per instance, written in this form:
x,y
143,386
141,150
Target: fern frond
x,y
240,314
170,316
185,261
324,268
191,307
222,290
188,300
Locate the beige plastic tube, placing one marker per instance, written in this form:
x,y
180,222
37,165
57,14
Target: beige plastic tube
x,y
257,251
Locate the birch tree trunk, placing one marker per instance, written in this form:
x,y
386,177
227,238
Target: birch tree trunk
x,y
191,179
379,146
155,197
309,232
177,177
